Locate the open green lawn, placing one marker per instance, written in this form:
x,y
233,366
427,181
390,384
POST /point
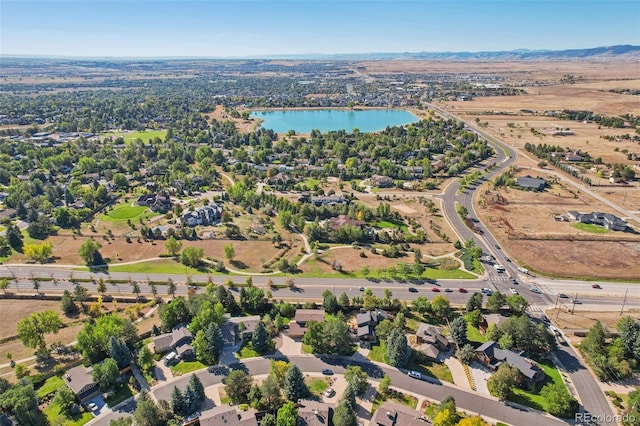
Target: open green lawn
x,y
311,184
316,385
404,399
378,352
588,227
389,224
119,394
52,412
145,136
162,266
473,335
533,398
185,367
49,386
127,211
433,369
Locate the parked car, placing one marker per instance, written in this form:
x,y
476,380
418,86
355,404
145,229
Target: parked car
x,y
171,359
462,290
92,406
193,417
329,392
327,372
595,286
413,290
415,374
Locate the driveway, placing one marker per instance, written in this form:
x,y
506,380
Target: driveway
x,y
289,346
228,355
480,375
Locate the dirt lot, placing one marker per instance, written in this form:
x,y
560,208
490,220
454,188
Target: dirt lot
x,y
583,320
524,223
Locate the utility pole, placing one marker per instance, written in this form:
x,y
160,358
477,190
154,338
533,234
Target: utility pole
x,y
624,301
573,308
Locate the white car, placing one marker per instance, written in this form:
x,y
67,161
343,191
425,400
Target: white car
x,y
92,406
329,393
415,374
513,290
535,289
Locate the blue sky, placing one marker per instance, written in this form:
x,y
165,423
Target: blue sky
x,y
226,28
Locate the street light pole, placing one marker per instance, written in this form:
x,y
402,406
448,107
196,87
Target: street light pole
x,y
624,301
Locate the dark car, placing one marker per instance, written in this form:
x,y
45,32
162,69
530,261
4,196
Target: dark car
x,y
498,247
447,290
327,372
435,289
413,290
595,286
361,289
462,290
563,296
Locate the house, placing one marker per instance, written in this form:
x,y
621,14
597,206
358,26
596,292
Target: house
x,y
156,202
367,322
529,183
488,320
80,380
314,413
381,181
573,156
298,326
178,340
228,416
8,213
492,356
431,342
396,414
328,200
343,220
607,220
236,329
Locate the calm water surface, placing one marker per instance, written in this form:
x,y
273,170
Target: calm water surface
x,y
303,121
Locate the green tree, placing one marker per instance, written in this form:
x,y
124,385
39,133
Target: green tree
x,y
383,387
634,409
145,359
38,252
458,331
32,329
192,256
397,348
559,401
21,401
119,351
278,369
287,415
270,393
101,287
517,304
501,383
106,374
173,246
89,252
268,420
147,412
441,307
384,329
344,301
177,401
496,301
66,304
120,181
446,417
629,332
65,399
260,339
171,288
466,354
80,294
475,302
330,303
344,415
198,389
229,251
237,386
294,386
356,378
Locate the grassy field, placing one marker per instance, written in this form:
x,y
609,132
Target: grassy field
x,y
316,385
52,412
439,371
588,227
49,386
128,212
378,352
393,225
162,266
145,136
473,335
185,367
533,398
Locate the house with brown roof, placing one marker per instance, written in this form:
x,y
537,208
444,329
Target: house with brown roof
x,y
178,340
381,181
395,414
80,380
491,355
228,416
314,413
236,329
431,342
298,326
489,319
367,322
343,220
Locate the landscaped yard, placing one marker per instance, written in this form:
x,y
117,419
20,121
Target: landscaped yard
x,y
52,412
49,386
119,394
317,385
473,334
247,351
533,398
588,227
125,211
185,367
402,398
378,352
433,369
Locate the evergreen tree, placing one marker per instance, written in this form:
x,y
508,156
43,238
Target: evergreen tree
x,y
458,331
397,349
177,402
330,303
294,386
255,397
270,391
260,340
349,395
196,385
344,302
214,339
268,420
67,304
344,415
191,401
475,302
119,351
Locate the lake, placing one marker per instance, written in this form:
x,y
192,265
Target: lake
x,y
303,121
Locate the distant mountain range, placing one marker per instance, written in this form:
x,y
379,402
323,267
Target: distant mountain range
x,y
621,51
625,51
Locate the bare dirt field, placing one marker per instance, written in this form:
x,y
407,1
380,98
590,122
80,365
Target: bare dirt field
x,y
524,223
583,320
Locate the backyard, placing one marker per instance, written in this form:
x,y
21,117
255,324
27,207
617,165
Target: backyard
x,y
533,398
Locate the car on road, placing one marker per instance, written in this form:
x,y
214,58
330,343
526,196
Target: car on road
x,y
415,374
435,289
329,393
487,291
563,296
462,290
498,247
514,281
447,290
507,259
92,406
513,290
595,286
413,290
192,417
361,288
576,302
535,289
327,372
